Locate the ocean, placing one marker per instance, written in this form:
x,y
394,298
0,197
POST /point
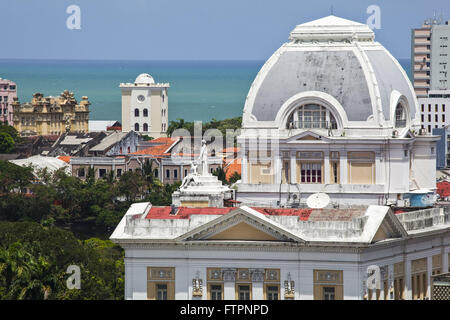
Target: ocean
x,y
199,90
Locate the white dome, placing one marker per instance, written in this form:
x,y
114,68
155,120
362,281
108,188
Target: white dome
x,y
144,78
336,58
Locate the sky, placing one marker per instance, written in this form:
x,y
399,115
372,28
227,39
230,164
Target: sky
x,y
189,29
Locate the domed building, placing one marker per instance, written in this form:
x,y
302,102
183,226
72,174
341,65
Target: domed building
x,y
333,111
145,106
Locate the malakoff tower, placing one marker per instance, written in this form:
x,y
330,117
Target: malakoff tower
x,y
145,106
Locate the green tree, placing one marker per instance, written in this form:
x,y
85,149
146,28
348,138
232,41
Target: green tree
x,y
6,143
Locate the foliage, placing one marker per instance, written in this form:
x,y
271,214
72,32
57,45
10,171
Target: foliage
x,y
234,177
6,143
34,260
221,125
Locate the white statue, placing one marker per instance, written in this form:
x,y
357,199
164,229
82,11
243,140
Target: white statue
x,y
203,158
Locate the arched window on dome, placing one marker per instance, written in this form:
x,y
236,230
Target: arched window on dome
x,y
311,116
136,127
145,127
400,116
136,112
145,112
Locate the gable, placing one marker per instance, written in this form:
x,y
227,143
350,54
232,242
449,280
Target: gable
x,y
241,224
308,137
242,231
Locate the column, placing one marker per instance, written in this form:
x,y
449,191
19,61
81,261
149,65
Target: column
x,y
257,284
429,273
378,169
229,279
444,261
326,167
408,284
293,167
277,166
343,167
244,164
391,282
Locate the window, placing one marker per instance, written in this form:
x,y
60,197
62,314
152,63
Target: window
x,y
136,112
81,172
443,118
145,112
311,116
185,172
272,292
443,108
119,173
429,118
12,87
161,292
423,118
145,127
129,150
423,109
244,292
429,107
436,118
328,293
101,173
400,116
311,173
168,174
156,173
216,292
436,107
136,127
175,174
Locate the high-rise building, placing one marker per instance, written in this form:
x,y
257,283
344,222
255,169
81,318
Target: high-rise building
x,y
145,106
435,109
51,115
430,57
8,91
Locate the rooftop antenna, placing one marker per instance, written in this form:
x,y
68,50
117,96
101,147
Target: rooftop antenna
x,y
332,10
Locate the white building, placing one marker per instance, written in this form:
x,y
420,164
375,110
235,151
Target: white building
x,y
338,115
264,253
145,106
435,109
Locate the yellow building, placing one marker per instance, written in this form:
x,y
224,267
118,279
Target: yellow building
x,y
51,115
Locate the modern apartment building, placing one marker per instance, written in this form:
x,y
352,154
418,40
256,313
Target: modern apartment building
x,y
8,91
145,106
430,57
434,109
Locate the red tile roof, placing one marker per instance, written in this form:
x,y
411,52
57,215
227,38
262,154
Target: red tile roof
x,y
64,158
185,213
443,189
232,167
159,150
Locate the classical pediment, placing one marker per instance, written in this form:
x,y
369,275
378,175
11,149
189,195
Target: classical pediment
x,y
242,224
307,136
389,228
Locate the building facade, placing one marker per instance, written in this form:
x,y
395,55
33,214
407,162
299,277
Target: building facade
x,y
281,254
332,111
430,57
51,115
442,148
145,106
8,91
103,166
434,109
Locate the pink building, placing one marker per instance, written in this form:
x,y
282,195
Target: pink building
x,y
8,91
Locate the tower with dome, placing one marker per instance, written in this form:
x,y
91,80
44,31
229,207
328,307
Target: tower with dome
x,y
145,106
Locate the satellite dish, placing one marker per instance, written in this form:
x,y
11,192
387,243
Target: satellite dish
x,y
318,200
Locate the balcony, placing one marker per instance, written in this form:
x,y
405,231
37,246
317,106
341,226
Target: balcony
x,y
311,125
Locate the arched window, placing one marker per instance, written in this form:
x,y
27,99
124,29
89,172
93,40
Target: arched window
x,y
145,113
400,116
136,127
312,116
145,127
136,112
